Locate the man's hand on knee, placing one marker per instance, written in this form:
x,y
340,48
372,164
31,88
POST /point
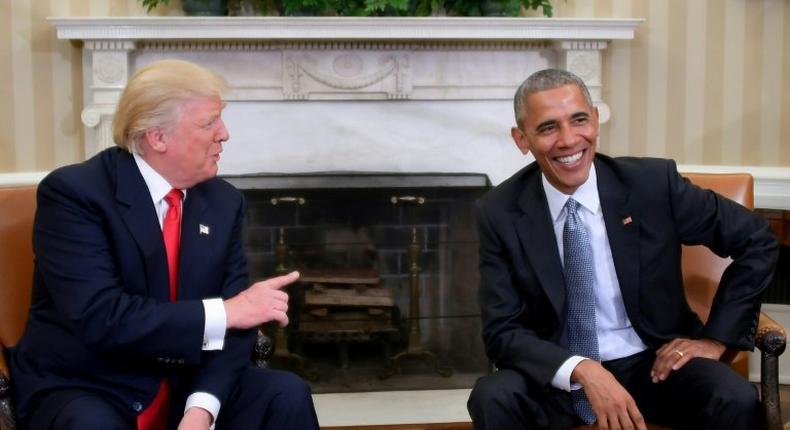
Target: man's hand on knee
x,y
676,353
196,419
613,405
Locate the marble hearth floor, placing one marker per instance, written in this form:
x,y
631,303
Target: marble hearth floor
x,y
354,398
418,407
392,407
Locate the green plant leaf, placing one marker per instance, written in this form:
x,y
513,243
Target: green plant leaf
x,y
150,4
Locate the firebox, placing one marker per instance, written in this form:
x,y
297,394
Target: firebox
x,y
388,294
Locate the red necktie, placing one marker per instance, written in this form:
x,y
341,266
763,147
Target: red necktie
x,y
155,416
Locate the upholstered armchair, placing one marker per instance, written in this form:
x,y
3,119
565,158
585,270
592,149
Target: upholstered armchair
x,y
17,208
702,271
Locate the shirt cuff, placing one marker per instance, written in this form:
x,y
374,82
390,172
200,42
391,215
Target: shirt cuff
x,y
216,324
204,401
562,379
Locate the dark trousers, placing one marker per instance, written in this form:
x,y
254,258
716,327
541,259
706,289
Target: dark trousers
x,y
703,394
264,399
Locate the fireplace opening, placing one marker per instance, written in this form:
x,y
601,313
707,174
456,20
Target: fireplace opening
x,y
387,299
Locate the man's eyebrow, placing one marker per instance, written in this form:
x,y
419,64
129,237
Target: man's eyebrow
x,y
580,115
545,123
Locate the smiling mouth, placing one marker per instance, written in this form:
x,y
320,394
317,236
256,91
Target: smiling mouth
x,y
568,159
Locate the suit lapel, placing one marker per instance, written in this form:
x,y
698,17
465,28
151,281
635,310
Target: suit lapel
x,y
536,227
622,228
139,214
196,234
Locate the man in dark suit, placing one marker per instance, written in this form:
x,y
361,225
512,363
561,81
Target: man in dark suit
x,y
141,315
648,356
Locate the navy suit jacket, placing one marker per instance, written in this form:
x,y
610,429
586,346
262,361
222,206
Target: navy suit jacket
x,y
100,317
522,295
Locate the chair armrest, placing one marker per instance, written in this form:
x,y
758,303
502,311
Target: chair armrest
x,y
771,336
771,340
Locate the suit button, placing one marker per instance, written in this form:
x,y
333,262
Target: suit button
x,y
137,406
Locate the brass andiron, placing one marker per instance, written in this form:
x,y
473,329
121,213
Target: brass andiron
x,y
281,351
414,349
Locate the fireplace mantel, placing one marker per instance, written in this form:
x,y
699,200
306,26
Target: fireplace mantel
x,y
343,28
350,94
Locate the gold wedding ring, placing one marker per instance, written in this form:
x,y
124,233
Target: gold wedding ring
x,y
678,352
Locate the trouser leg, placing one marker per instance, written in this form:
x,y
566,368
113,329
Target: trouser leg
x,y
504,400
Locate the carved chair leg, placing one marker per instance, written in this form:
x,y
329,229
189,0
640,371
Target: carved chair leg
x,y
769,390
6,410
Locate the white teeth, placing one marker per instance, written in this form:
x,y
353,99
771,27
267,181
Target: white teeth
x,y
570,158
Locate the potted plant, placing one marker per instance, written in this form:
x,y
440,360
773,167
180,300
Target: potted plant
x,y
193,7
364,7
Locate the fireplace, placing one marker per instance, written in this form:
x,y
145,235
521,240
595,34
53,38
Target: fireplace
x,y
410,96
361,242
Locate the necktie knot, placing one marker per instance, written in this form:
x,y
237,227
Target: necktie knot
x,y
174,197
571,206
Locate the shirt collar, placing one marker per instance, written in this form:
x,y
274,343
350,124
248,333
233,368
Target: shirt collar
x,y
586,195
157,185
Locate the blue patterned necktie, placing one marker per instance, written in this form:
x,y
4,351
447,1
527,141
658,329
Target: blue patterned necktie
x,y
580,303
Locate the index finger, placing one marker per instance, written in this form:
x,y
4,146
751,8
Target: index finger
x,y
279,282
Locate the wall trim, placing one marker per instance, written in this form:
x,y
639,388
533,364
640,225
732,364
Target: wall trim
x,y
771,184
21,178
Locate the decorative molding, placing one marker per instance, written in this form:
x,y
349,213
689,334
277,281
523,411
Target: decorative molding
x,y
338,28
346,74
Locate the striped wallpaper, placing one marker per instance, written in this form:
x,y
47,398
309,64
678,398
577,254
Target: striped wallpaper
x,y
703,81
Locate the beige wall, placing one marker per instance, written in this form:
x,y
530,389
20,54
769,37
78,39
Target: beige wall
x,y
718,97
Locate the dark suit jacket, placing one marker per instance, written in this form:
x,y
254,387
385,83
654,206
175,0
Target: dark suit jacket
x,y
100,317
522,296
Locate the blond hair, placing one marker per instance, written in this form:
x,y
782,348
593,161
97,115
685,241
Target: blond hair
x,y
154,95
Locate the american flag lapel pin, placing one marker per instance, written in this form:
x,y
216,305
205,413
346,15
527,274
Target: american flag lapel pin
x,y
627,220
204,229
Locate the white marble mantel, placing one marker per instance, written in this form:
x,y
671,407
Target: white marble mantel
x,y
350,94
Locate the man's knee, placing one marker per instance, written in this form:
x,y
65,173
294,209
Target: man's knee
x,y
292,389
499,391
718,397
738,398
91,412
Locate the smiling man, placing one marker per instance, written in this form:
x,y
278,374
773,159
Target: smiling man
x,y
142,317
582,301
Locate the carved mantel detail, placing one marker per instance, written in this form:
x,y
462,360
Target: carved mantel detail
x,y
344,74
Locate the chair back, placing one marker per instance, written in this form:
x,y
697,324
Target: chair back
x,y
702,269
17,209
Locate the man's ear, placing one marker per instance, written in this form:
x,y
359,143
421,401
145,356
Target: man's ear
x,y
155,139
520,139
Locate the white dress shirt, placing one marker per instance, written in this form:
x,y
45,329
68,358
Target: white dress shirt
x,y
216,320
616,335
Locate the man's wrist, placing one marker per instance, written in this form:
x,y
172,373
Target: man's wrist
x,y
203,415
